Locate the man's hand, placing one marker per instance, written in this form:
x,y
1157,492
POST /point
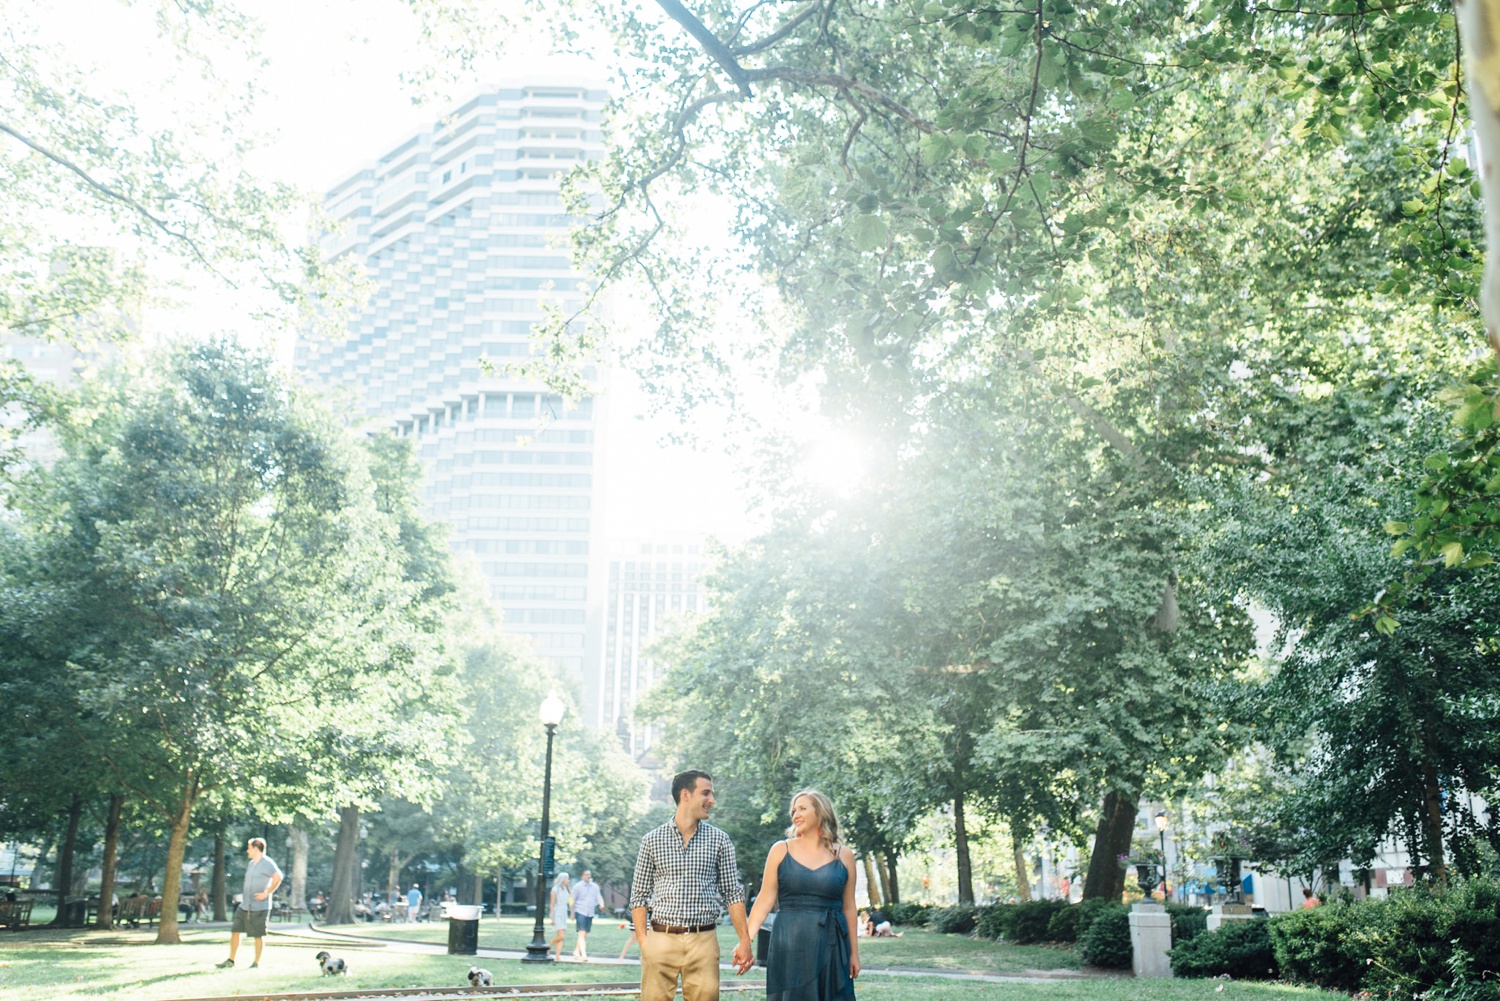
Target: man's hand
x,y
743,959
261,895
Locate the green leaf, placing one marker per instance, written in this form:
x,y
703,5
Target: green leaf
x,y
1395,528
1453,554
1385,625
870,233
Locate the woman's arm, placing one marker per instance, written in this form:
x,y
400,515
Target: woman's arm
x,y
847,857
767,897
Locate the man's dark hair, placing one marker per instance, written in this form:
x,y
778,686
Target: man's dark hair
x,y
686,780
259,843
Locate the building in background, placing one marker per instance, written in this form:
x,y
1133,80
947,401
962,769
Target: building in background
x,y
462,230
651,584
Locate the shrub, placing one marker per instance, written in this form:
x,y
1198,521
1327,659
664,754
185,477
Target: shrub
x,y
1030,921
903,913
1107,942
995,921
1063,926
1315,946
1241,949
1187,921
958,920
1087,911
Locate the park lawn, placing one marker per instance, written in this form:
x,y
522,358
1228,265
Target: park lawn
x,y
916,949
125,966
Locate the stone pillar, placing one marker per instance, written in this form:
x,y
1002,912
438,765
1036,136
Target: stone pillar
x,y
1150,939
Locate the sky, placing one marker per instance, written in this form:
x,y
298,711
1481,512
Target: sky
x,y
329,96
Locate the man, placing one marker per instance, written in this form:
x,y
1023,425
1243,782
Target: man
x,y
414,903
262,877
586,901
685,875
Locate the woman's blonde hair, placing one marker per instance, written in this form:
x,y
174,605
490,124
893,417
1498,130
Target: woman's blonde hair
x,y
822,808
562,880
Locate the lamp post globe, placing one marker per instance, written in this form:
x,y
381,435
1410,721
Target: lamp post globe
x,y
551,715
1161,826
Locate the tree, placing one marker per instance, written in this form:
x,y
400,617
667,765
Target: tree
x,y
234,534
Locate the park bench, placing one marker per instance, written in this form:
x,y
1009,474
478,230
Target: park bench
x,y
137,909
15,914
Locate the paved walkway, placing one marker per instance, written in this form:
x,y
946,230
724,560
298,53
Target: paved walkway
x,y
350,940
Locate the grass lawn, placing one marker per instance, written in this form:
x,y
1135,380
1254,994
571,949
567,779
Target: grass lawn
x,y
126,967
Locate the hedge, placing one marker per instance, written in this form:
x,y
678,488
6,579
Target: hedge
x,y
1239,949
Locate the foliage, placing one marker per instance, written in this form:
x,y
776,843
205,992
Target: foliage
x,y
1414,941
1107,941
961,919
905,913
1238,949
1030,922
1188,920
1071,923
993,920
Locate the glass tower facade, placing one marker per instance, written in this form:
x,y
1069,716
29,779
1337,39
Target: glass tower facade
x,y
462,231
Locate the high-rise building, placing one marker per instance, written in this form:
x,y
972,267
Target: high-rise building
x,y
462,230
652,584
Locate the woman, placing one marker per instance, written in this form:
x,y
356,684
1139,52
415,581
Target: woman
x,y
813,955
562,903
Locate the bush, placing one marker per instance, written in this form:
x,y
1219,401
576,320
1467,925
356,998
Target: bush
x,y
995,921
1187,921
1030,921
959,920
907,914
1107,942
1063,927
1087,911
1241,949
1314,946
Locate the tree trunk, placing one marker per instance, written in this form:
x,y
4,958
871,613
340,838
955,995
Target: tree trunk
x,y
888,876
106,919
171,884
297,898
220,878
1432,825
63,879
475,883
1023,870
872,885
345,859
961,849
1106,877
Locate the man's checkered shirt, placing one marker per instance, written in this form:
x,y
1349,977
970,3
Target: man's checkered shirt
x,y
686,885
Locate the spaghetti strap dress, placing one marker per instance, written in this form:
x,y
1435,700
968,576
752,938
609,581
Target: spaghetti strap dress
x,y
810,949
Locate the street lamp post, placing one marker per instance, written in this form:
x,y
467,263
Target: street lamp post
x,y
1161,826
536,950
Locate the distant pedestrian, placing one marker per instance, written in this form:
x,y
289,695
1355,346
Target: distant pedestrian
x,y
1309,899
562,907
262,877
414,903
586,900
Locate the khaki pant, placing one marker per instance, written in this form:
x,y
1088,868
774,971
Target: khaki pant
x,y
695,955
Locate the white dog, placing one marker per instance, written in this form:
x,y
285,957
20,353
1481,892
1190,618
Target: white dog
x,y
480,978
331,964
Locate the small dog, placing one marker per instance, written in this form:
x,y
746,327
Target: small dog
x,y
480,978
332,965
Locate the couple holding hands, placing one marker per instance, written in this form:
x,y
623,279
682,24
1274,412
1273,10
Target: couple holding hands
x,y
686,874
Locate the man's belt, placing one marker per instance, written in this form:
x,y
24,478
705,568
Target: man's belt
x,y
680,929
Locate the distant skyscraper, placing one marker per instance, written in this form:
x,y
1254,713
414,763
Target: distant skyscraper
x,y
462,230
651,585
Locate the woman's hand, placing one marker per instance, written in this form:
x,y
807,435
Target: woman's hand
x,y
854,966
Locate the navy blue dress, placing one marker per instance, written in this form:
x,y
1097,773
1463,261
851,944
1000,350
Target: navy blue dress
x,y
810,949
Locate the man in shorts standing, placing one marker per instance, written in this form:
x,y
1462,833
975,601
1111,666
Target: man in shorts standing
x,y
262,877
684,876
586,901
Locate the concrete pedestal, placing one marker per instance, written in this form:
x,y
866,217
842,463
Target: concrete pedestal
x,y
1219,914
1150,939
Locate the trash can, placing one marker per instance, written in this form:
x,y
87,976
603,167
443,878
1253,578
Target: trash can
x,y
463,929
75,912
763,941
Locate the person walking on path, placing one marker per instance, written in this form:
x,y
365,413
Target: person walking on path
x,y
262,877
586,901
685,875
814,957
562,904
414,903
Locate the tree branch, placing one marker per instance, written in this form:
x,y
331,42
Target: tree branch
x,y
780,33
710,42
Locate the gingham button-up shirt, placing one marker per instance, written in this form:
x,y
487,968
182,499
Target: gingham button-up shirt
x,y
686,885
